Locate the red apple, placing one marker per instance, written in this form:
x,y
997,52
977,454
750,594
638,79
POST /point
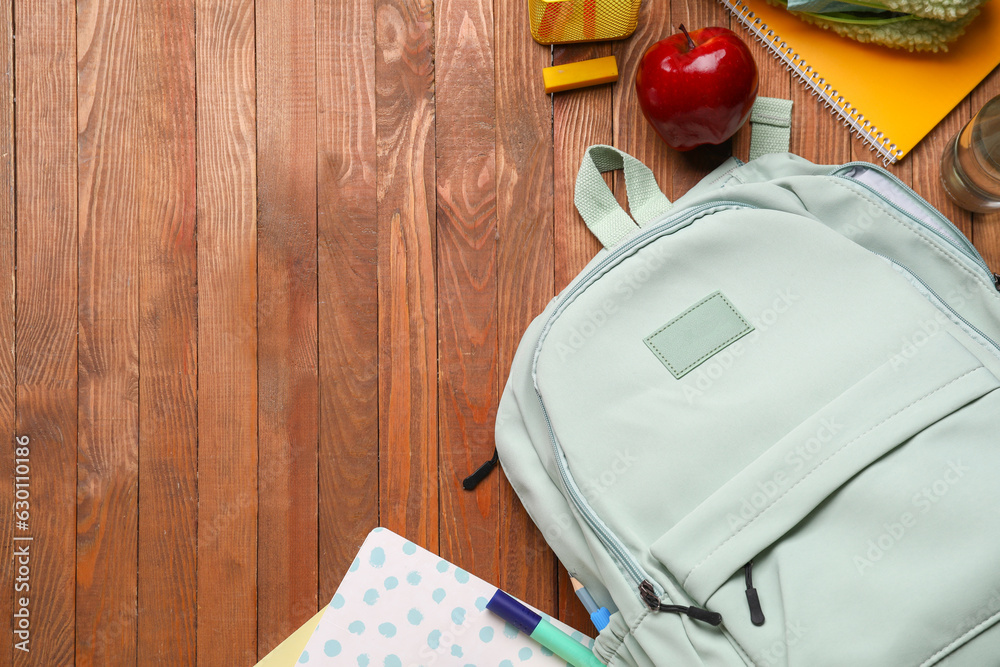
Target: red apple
x,y
697,88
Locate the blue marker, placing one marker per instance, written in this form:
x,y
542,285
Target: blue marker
x,y
542,631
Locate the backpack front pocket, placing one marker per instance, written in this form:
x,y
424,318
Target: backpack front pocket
x,y
873,527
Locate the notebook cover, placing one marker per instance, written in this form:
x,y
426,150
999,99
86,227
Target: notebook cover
x,y
901,94
400,605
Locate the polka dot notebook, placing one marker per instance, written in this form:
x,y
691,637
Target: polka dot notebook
x,y
402,606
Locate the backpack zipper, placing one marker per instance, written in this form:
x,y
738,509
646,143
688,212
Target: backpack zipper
x,y
942,305
963,246
650,592
652,600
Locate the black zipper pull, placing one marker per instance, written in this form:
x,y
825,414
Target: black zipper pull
x,y
996,281
756,613
652,600
473,480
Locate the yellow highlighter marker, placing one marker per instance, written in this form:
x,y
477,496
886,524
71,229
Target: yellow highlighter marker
x,y
580,74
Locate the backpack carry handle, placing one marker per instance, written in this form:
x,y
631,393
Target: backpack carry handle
x,y
770,126
598,206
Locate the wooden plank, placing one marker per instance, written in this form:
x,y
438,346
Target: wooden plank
x,y
632,133
168,333
8,398
107,460
348,284
817,134
46,361
227,333
524,169
986,227
466,269
288,402
405,139
580,118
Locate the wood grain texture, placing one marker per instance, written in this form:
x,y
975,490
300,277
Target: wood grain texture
x,y
8,398
297,245
632,133
524,274
580,118
107,455
227,333
288,403
817,134
168,332
46,362
986,226
407,296
348,284
466,268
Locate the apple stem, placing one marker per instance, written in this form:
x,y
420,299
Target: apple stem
x,y
691,43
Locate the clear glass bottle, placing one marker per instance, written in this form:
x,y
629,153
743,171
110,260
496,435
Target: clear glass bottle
x,y
970,166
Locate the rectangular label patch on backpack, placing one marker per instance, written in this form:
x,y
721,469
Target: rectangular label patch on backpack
x,y
697,334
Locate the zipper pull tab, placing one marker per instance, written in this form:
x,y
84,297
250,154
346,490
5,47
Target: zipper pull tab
x,y
652,600
756,613
996,281
473,480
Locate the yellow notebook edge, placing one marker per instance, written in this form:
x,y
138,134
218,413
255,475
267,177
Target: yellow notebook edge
x,y
287,653
877,141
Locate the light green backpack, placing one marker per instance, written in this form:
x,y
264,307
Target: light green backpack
x,y
763,424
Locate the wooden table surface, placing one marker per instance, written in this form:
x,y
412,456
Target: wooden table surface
x,y
263,267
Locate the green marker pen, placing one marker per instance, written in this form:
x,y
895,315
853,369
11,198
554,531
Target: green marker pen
x,y
542,631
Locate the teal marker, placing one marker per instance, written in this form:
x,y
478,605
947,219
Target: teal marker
x,y
542,631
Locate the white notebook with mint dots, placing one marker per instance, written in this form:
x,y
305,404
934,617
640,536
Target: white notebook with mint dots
x,y
402,606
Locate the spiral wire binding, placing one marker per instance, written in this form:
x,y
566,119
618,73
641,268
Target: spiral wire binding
x,y
817,85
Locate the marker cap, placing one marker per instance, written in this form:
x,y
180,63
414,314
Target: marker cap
x,y
513,612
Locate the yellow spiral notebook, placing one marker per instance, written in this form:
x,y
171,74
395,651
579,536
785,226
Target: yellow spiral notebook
x,y
889,97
